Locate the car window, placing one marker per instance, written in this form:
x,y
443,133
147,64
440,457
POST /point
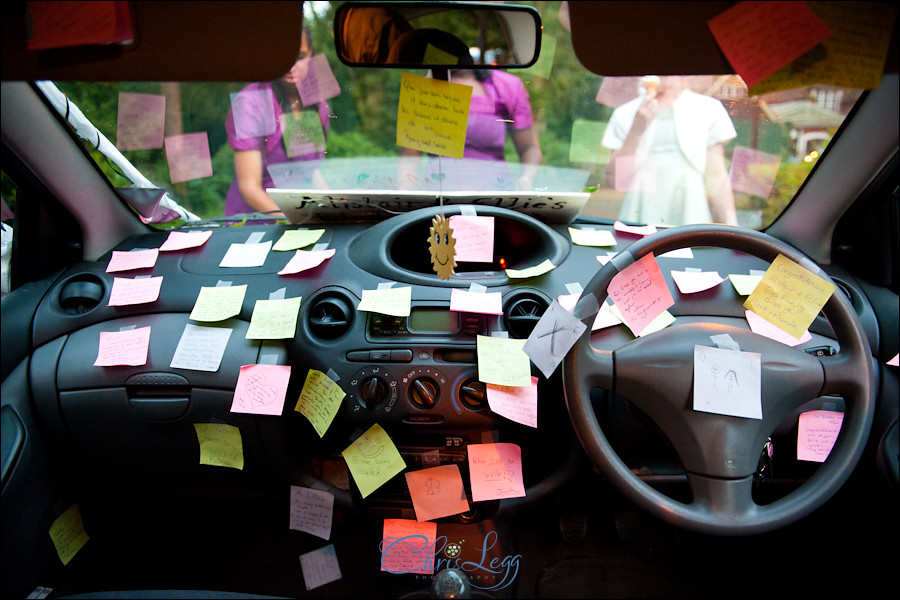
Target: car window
x,y
663,150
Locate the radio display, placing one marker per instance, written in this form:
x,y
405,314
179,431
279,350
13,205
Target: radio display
x,y
433,320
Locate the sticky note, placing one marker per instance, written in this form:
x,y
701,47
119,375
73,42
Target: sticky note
x,y
373,460
304,260
220,445
544,64
727,382
319,84
817,430
302,133
140,290
762,327
408,546
516,403
188,157
123,348
641,230
586,135
437,492
182,240
744,284
550,340
261,389
395,301
535,271
201,348
311,511
129,261
474,237
218,303
319,400
495,471
140,121
251,254
488,303
640,293
591,237
320,567
293,239
692,282
753,171
68,534
502,361
253,112
274,319
432,115
789,296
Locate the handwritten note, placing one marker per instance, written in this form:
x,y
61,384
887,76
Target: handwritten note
x,y
246,255
68,534
188,157
488,303
591,237
123,348
319,400
502,361
201,348
437,492
408,546
762,327
640,293
789,296
183,240
395,301
817,430
517,404
373,459
141,290
691,282
253,112
261,389
432,115
753,171
474,238
218,303
274,319
311,511
319,84
304,260
727,382
535,271
550,340
495,471
140,121
293,239
220,445
320,567
129,261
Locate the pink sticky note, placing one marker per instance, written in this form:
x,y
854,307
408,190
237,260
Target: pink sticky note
x,y
894,362
129,261
134,291
437,492
488,303
182,240
759,38
303,260
817,431
261,389
319,83
753,172
123,348
635,173
762,327
691,282
495,471
407,546
140,121
474,238
616,91
253,112
640,293
188,156
517,404
641,230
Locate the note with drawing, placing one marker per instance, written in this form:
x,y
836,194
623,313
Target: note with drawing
x,y
261,389
727,382
495,471
437,492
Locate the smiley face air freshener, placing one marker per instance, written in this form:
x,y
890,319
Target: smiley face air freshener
x,y
442,246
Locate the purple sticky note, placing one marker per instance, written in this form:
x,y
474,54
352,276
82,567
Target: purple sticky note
x,y
188,156
319,82
753,172
140,121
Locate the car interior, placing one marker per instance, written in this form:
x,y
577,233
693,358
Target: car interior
x,y
342,396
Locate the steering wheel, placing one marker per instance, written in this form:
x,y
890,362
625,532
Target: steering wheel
x,y
720,453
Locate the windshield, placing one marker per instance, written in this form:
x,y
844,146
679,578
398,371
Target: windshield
x,y
328,141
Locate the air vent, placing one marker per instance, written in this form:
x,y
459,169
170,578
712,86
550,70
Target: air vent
x,y
81,294
522,312
330,317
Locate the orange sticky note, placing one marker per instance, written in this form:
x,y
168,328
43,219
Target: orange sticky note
x,y
407,546
437,492
640,293
495,471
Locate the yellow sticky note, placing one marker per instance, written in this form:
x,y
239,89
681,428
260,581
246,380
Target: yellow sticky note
x,y
503,361
274,319
68,534
744,284
319,400
220,445
373,460
387,301
789,296
544,267
218,303
591,237
432,115
297,238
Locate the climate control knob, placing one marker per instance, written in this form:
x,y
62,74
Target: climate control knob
x,y
372,392
424,392
473,394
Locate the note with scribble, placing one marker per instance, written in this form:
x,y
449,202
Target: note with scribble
x,y
274,319
640,293
68,534
817,430
728,382
432,115
437,492
261,389
502,361
495,471
319,400
311,511
220,445
407,546
373,459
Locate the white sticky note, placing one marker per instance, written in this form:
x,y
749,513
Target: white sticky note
x,y
201,348
246,255
555,333
320,567
727,382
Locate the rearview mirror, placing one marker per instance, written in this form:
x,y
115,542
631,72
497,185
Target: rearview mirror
x,y
435,35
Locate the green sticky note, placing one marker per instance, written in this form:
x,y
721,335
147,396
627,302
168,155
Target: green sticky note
x,y
68,534
373,460
544,63
218,303
503,361
585,146
319,400
220,445
274,319
544,267
744,284
302,133
297,238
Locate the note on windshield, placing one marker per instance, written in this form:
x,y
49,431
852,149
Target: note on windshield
x,y
68,534
220,445
311,511
502,361
395,301
201,348
432,115
218,303
123,348
319,84
135,259
407,546
139,290
297,238
261,389
319,400
640,293
516,403
437,492
188,156
474,238
373,459
274,319
495,471
817,430
727,382
789,296
140,121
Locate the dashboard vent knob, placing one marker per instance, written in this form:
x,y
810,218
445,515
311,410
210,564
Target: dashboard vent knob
x,y
522,313
330,317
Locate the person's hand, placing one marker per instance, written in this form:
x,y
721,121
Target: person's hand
x,y
647,111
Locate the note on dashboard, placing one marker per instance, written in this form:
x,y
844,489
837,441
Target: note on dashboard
x,y
320,567
395,301
727,382
68,534
319,400
304,260
373,459
135,259
139,290
789,296
407,546
274,319
591,237
437,492
762,327
535,271
552,338
691,282
502,361
495,471
817,430
218,303
251,254
488,303
311,511
220,445
640,293
641,230
261,389
474,237
516,403
182,240
294,239
744,284
123,348
201,348
432,115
